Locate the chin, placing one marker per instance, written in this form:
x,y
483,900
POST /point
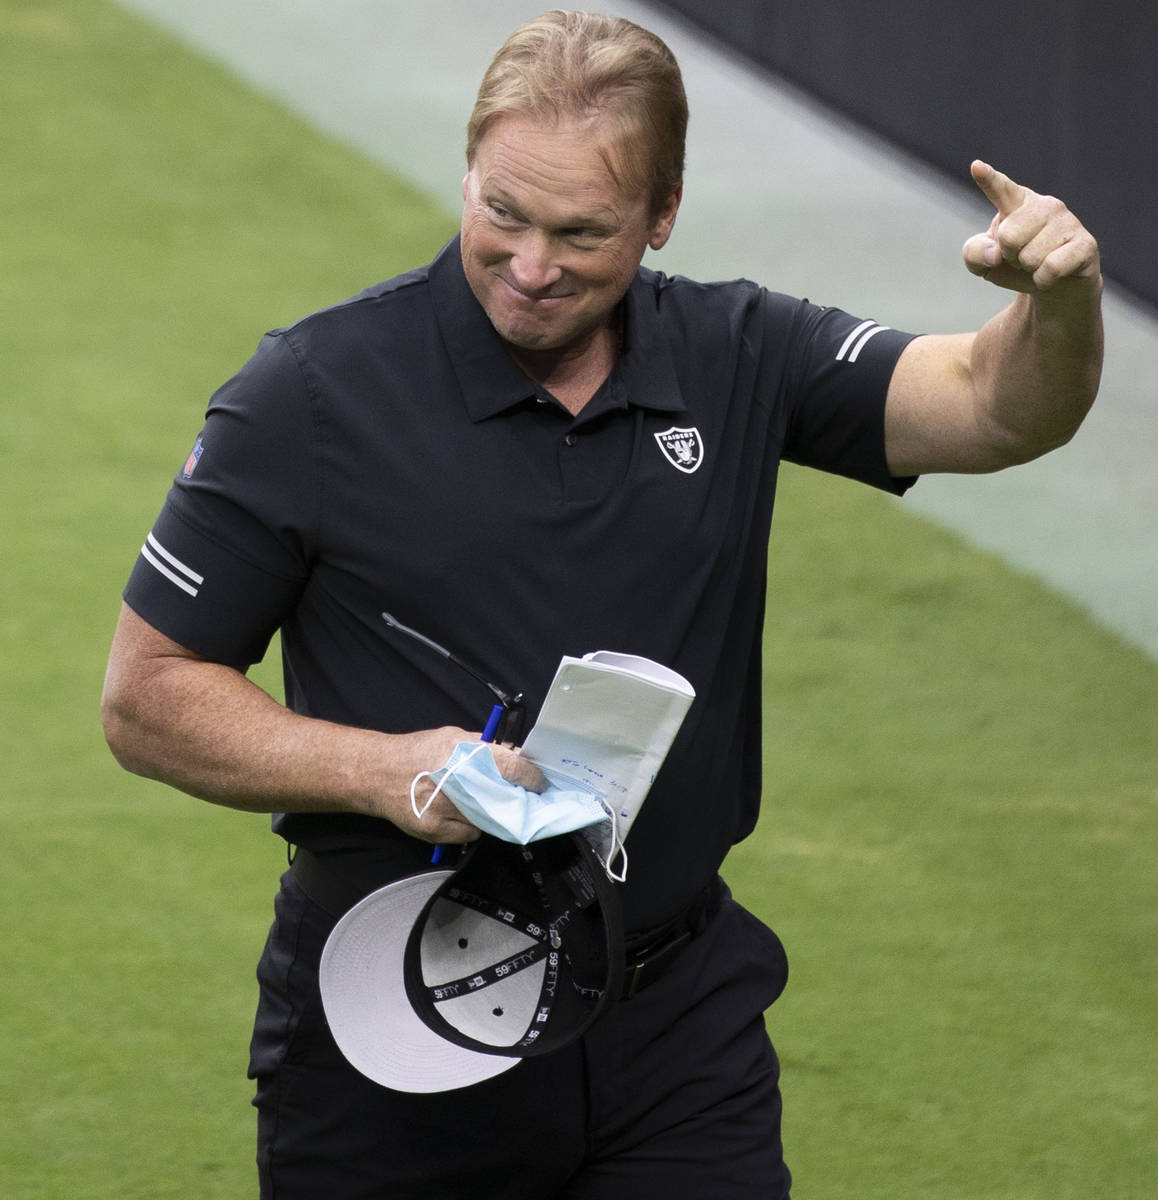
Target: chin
x,y
532,342
523,338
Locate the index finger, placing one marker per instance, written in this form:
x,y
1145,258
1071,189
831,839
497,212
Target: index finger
x,y
999,189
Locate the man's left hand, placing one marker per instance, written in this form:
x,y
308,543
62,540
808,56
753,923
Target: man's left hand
x,y
1033,243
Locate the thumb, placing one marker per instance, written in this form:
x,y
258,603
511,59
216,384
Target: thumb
x,y
514,768
981,254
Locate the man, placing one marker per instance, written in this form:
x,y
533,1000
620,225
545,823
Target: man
x,y
533,447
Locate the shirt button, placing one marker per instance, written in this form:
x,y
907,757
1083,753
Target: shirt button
x,y
571,439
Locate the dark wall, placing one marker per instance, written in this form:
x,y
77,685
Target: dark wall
x,y
1062,96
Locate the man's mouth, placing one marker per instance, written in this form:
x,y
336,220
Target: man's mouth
x,y
531,297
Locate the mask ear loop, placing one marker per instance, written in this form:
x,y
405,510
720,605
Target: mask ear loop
x,y
618,850
420,813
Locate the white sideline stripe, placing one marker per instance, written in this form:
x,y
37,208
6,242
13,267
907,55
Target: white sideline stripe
x,y
860,345
173,561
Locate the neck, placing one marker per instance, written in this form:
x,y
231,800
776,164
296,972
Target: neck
x,y
573,374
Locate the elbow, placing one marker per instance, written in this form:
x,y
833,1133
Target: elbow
x,y
116,732
122,732
1006,446
1016,454
145,698
1059,439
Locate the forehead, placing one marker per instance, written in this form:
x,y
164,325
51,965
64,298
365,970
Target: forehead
x,y
569,162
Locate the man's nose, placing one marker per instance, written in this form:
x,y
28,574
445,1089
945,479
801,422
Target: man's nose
x,y
533,265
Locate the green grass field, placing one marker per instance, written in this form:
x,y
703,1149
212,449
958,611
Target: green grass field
x,y
959,841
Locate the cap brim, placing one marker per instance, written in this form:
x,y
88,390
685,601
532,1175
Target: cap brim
x,y
365,1001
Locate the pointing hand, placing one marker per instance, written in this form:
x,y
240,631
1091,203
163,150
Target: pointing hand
x,y
1033,244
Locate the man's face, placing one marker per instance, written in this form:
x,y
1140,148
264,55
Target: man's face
x,y
550,240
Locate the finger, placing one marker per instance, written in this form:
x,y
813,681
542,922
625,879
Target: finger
x,y
999,189
1074,258
442,822
456,832
1037,249
514,768
983,257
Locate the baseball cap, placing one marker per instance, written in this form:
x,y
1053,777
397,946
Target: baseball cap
x,y
450,977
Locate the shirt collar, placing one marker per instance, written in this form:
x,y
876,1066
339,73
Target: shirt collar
x,y
491,380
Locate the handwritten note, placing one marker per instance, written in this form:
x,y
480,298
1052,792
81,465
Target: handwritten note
x,y
606,726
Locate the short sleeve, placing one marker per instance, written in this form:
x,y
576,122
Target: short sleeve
x,y
840,370
226,560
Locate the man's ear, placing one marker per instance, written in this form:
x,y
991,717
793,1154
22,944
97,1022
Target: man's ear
x,y
665,221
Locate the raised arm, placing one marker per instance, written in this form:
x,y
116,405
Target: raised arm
x,y
206,729
1022,384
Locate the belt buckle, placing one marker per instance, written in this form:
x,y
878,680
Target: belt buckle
x,y
636,974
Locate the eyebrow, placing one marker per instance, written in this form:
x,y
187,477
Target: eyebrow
x,y
604,220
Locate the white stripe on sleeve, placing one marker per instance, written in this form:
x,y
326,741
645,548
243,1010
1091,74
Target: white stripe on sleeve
x,y
848,341
860,345
184,577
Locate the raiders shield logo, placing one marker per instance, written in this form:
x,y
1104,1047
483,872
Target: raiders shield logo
x,y
683,448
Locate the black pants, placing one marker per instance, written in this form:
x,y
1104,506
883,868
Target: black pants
x,y
673,1093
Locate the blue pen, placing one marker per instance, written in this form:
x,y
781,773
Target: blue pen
x,y
488,735
492,725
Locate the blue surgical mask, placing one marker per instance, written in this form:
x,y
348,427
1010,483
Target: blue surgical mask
x,y
472,781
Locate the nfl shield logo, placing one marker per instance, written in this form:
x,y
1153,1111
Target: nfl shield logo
x,y
683,448
193,459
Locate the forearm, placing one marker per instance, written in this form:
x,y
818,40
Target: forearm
x,y
207,730
204,728
1021,385
1036,368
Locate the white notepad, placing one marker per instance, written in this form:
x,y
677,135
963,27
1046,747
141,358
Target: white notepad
x,y
606,726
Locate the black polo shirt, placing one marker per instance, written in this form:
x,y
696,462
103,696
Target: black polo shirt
x,y
389,454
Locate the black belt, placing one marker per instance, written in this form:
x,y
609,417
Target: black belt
x,y
337,882
650,953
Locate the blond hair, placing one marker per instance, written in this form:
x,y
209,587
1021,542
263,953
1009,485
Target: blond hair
x,y
577,64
